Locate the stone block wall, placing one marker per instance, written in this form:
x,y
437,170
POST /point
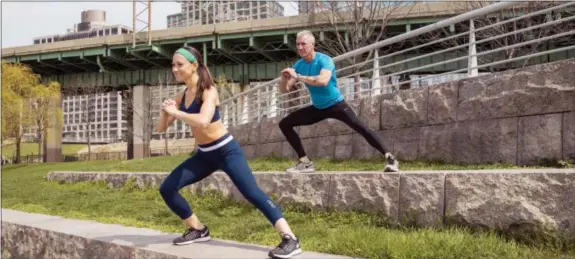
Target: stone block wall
x,y
517,116
511,200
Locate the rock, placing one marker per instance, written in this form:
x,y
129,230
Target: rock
x,y
311,190
270,130
539,138
421,198
515,201
343,147
287,150
486,141
362,149
568,134
545,88
404,109
370,112
326,147
269,149
437,143
406,143
510,199
376,192
442,103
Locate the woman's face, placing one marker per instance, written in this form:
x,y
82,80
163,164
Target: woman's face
x,y
182,68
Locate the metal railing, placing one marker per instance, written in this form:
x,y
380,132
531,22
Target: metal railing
x,y
498,37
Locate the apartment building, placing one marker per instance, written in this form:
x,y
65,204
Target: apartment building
x,y
99,117
93,24
210,12
342,6
322,6
158,94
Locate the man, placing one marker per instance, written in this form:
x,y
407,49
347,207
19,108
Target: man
x,y
317,71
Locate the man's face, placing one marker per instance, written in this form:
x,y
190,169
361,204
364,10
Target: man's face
x,y
304,46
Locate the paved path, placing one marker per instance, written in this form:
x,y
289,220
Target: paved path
x,y
156,243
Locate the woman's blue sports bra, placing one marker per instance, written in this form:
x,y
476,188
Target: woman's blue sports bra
x,y
195,108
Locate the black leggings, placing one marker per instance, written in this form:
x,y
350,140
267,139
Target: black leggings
x,y
340,111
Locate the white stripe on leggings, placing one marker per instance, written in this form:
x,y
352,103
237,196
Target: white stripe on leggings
x,y
216,146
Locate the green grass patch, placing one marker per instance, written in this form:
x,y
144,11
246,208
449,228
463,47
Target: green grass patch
x,y
9,150
338,232
167,163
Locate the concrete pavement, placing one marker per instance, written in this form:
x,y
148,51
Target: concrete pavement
x,y
42,236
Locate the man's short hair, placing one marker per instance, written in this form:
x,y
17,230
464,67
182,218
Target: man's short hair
x,y
307,33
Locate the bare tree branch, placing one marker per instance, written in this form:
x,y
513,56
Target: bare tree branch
x,y
354,24
84,116
493,40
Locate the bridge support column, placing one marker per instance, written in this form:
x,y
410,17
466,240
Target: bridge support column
x,y
52,146
142,121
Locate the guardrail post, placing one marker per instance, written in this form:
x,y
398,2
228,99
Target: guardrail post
x,y
375,80
273,100
472,70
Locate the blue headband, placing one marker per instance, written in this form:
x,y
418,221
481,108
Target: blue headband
x,y
187,54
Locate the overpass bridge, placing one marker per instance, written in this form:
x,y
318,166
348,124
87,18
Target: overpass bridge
x,y
243,51
258,49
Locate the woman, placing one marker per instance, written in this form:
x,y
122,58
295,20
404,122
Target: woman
x,y
217,149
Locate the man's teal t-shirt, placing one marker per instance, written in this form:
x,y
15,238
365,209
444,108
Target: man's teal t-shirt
x,y
322,97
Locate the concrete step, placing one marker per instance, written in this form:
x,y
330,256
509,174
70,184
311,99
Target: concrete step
x,y
28,235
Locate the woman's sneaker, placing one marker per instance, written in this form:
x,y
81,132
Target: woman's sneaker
x,y
192,236
286,249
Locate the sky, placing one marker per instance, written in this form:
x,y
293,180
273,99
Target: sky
x,y
43,18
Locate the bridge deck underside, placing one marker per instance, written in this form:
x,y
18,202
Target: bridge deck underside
x,y
247,57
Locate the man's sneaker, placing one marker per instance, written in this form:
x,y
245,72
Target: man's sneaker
x,y
286,249
301,167
192,236
391,163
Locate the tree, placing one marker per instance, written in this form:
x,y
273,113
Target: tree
x,y
167,89
356,24
143,112
45,107
85,114
225,87
18,83
227,90
490,38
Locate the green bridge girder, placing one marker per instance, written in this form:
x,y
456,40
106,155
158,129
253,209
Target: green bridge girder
x,y
241,57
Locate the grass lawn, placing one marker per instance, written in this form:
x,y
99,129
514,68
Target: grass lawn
x,y
345,233
32,149
167,163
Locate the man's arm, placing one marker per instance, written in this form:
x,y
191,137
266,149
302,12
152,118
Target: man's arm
x,y
324,76
286,84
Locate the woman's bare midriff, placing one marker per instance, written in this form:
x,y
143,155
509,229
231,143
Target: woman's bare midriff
x,y
213,132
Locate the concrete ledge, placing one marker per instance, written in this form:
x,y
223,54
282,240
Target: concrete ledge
x,y
27,235
509,200
515,200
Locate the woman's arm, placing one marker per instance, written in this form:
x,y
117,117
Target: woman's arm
x,y
165,118
202,119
